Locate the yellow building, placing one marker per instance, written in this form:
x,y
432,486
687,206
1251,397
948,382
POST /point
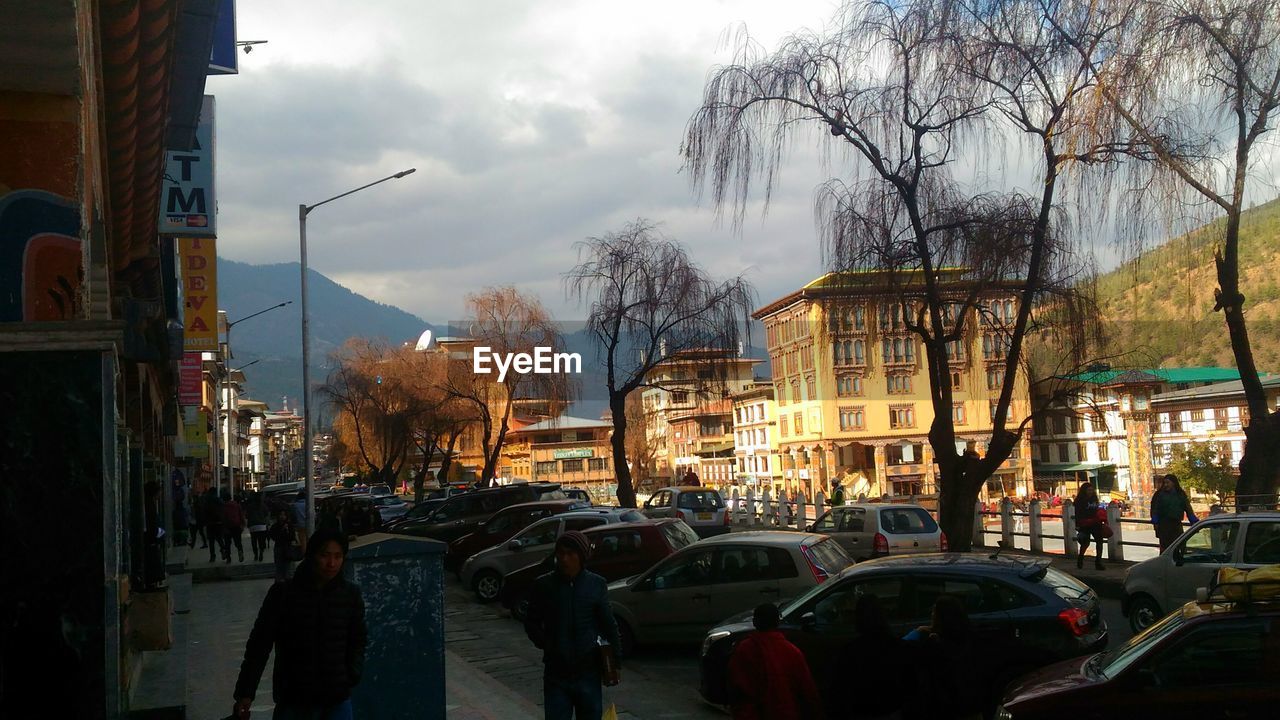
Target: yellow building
x,y
851,386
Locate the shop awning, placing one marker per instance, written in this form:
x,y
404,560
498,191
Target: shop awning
x,y
724,449
1070,467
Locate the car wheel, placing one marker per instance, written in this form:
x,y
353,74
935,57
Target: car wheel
x,y
626,638
520,608
1143,612
488,585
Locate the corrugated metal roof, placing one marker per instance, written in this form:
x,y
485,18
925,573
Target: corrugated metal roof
x,y
564,422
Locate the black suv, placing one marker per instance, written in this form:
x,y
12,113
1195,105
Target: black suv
x,y
1025,613
462,514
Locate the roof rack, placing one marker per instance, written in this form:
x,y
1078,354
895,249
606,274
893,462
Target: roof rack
x,y
1241,586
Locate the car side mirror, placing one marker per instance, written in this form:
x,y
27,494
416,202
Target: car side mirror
x,y
1177,557
515,546
808,621
809,527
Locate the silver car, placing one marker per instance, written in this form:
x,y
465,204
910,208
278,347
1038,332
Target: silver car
x,y
483,572
868,530
683,596
701,508
1170,580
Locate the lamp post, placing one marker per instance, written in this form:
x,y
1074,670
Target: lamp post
x,y
303,211
231,405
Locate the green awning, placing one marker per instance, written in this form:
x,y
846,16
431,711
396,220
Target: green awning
x,y
1070,467
724,449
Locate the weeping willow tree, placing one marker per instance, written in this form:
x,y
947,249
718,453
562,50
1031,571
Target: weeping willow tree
x,y
912,100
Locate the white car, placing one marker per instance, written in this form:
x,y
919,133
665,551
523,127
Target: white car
x,y
484,571
1170,580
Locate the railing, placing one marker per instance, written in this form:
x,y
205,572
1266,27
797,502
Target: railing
x,y
1036,529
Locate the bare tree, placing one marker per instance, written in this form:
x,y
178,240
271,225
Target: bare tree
x,y
1197,82
648,301
373,410
438,419
641,451
508,323
907,89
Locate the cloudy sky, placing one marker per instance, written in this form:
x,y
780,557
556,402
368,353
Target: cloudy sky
x,y
533,124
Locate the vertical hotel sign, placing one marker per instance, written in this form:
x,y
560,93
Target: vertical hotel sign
x,y
188,206
199,294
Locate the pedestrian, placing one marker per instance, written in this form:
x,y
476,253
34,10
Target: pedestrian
x,y
1168,506
949,666
880,696
315,622
837,493
769,678
282,534
257,515
232,527
568,615
300,518
1088,527
691,479
197,522
213,522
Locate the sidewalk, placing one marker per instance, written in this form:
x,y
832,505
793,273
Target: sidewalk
x,y
221,617
202,570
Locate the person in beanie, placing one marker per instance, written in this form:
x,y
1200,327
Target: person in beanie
x,y
568,612
769,678
316,624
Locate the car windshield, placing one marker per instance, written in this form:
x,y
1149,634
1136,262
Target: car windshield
x,y
387,500
631,516
1063,585
907,521
679,534
699,499
1113,662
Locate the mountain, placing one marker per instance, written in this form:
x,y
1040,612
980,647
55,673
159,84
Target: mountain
x,y
274,339
1160,304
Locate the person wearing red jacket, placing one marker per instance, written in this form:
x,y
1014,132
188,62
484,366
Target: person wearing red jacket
x,y
769,678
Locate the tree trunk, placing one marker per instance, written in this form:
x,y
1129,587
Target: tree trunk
x,y
618,407
957,496
1260,463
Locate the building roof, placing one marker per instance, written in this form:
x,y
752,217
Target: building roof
x,y
1158,375
1224,389
564,422
867,282
1070,467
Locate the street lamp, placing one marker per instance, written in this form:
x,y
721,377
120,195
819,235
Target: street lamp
x,y
303,211
231,405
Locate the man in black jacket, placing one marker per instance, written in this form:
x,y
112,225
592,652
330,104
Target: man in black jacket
x,y
568,611
316,623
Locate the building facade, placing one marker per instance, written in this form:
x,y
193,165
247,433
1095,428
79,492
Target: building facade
x,y
688,412
1216,413
755,435
1106,436
852,389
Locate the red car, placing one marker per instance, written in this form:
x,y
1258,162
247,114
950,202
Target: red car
x,y
502,526
617,551
1205,660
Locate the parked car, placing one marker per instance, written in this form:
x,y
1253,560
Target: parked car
x,y
701,508
389,507
501,526
484,571
681,597
351,513
1215,659
617,552
867,530
1024,613
462,514
287,489
1170,580
576,494
380,490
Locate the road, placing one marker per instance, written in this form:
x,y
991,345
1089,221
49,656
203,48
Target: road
x,y
657,682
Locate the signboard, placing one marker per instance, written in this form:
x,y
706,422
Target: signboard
x,y
576,453
222,57
191,380
187,202
195,433
199,294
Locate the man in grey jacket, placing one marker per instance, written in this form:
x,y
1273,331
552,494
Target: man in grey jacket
x,y
568,611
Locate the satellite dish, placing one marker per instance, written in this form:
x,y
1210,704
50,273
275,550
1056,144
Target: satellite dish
x,y
424,341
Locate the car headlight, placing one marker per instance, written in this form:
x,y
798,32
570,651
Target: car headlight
x,y
712,639
1002,713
